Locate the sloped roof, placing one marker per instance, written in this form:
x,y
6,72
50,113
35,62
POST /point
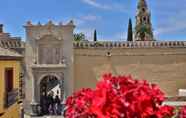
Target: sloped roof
x,y
8,54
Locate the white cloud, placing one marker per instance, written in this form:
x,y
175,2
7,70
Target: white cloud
x,y
171,18
113,6
94,3
90,17
173,25
169,29
84,19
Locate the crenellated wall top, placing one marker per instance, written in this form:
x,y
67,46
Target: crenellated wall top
x,y
49,24
135,44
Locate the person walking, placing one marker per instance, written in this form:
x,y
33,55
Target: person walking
x,y
57,104
51,103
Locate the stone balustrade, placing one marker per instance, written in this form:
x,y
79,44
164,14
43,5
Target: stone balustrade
x,y
136,44
176,98
176,101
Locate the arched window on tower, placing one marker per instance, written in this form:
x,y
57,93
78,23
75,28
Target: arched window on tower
x,y
144,19
143,9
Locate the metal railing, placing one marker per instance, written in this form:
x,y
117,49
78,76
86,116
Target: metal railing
x,y
11,98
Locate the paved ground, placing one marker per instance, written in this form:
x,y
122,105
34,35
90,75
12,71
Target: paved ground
x,y
26,116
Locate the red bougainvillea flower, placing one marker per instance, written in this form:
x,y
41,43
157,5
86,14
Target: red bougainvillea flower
x,y
182,113
118,97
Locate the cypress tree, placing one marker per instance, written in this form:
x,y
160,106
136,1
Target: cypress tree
x,y
130,32
95,35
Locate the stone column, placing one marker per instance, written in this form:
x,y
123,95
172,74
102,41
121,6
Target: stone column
x,y
37,55
62,89
34,104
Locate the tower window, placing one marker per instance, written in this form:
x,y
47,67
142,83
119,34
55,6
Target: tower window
x,y
144,18
143,9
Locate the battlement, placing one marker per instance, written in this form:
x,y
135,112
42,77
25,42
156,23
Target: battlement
x,y
50,23
135,44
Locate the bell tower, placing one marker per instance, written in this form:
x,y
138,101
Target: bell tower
x,y
143,29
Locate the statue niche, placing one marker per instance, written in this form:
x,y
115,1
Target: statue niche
x,y
49,50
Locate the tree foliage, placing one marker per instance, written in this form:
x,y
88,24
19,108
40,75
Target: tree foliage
x,y
95,35
79,36
130,32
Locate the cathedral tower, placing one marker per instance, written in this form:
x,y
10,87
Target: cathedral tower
x,y
143,29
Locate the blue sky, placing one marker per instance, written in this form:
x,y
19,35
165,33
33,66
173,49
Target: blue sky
x,y
109,17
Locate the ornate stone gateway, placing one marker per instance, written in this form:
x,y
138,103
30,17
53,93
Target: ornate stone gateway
x,y
49,66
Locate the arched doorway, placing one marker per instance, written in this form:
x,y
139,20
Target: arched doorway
x,y
51,92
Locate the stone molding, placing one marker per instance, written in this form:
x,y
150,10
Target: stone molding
x,y
48,66
41,75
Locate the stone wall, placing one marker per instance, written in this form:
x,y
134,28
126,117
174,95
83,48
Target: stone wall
x,y
163,63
